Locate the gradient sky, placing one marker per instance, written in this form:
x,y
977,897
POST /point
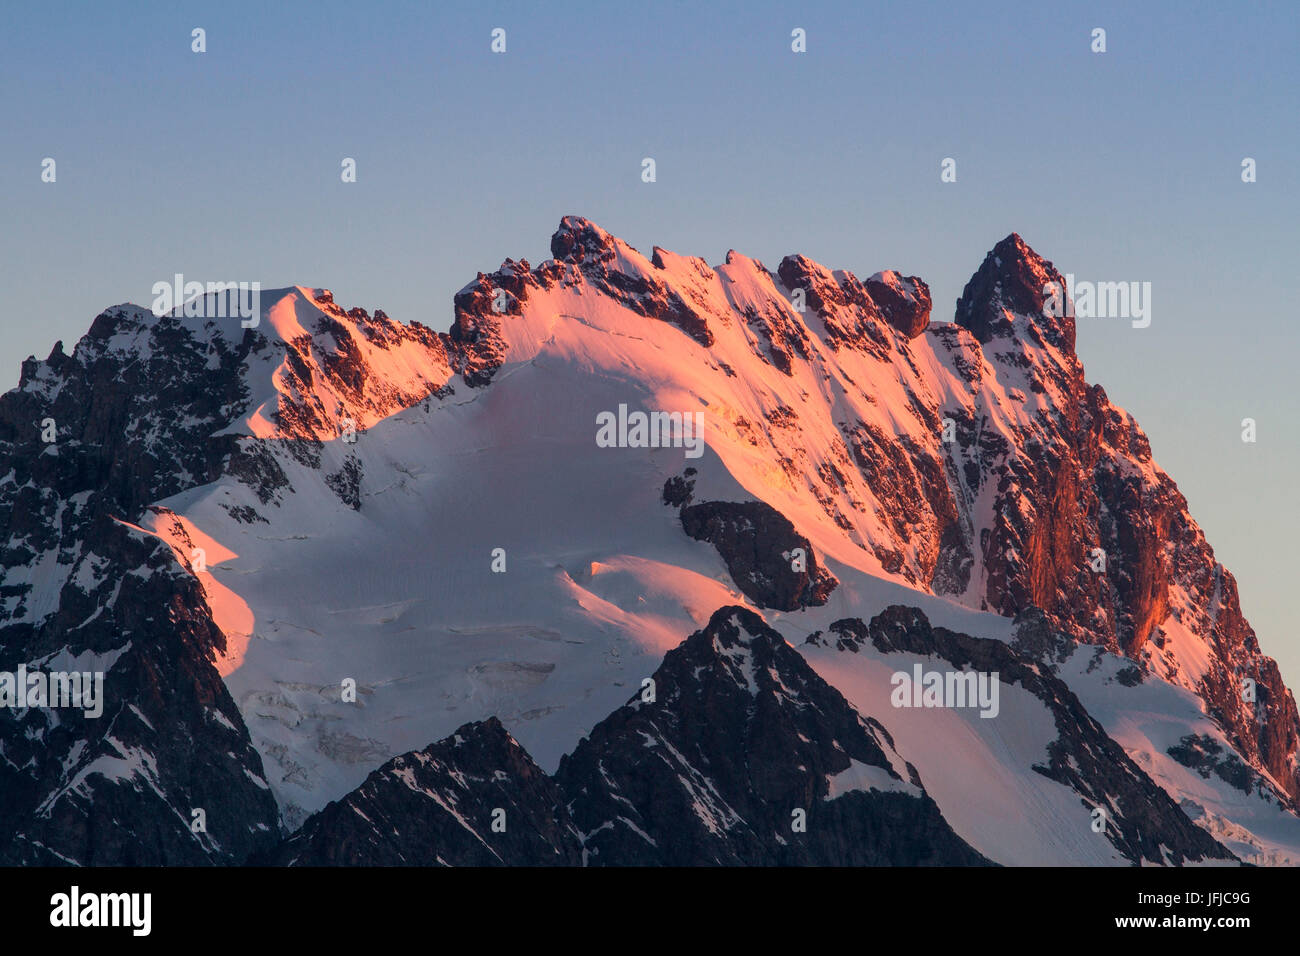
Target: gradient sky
x,y
1122,166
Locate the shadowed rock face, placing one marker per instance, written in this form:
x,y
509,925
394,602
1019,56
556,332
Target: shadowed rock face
x,y
474,799
759,545
904,301
741,735
121,788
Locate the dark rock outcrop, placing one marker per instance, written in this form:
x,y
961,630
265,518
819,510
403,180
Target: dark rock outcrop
x,y
904,301
772,564
742,740
1009,284
473,799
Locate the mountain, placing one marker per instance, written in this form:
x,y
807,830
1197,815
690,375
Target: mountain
x,y
1046,734
745,739
745,756
474,799
304,550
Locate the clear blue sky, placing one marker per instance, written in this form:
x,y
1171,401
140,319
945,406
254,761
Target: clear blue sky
x,y
1122,166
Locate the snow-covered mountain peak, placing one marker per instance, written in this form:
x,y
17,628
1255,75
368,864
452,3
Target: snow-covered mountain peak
x,y
437,517
579,240
1006,297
